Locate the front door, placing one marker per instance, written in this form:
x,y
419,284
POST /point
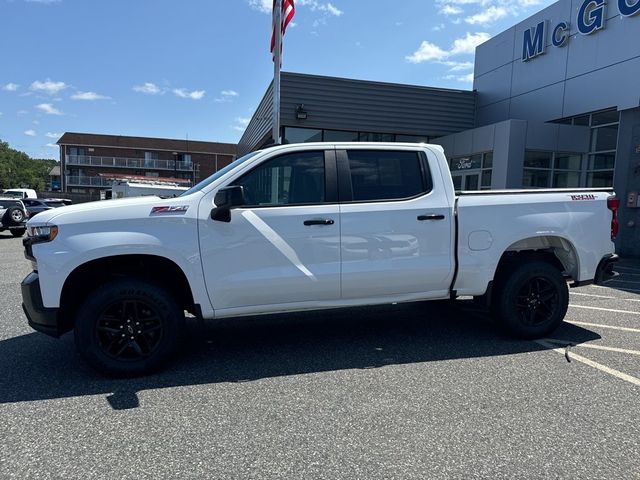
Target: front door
x,y
396,225
282,247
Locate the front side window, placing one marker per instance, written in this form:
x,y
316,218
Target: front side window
x,y
293,179
385,175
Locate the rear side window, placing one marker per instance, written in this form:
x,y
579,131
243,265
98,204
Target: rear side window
x,y
385,175
293,179
9,204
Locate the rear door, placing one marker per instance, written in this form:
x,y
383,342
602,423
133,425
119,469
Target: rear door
x,y
396,224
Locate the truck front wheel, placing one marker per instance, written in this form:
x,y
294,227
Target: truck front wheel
x,y
531,300
128,328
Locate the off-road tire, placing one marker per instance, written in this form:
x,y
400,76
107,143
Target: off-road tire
x,y
123,318
530,299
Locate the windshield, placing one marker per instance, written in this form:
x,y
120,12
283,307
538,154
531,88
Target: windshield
x,y
220,173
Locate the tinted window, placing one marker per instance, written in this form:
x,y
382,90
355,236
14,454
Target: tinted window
x,y
8,203
297,178
383,175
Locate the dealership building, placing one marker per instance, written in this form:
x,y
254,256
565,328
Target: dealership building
x,y
555,103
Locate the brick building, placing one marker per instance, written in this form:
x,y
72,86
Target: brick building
x,y
89,161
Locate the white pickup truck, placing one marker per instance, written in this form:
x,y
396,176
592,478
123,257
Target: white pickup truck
x,y
302,227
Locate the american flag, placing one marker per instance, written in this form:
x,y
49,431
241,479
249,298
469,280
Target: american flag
x,y
288,11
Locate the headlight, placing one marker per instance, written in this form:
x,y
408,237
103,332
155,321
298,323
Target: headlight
x,y
42,233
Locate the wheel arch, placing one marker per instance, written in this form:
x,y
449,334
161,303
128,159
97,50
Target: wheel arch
x,y
88,276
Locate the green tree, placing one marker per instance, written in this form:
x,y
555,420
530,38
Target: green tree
x,y
18,170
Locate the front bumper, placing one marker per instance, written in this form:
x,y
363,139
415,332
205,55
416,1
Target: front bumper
x,y
40,318
605,271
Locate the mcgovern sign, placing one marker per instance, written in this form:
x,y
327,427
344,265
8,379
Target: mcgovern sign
x,y
591,17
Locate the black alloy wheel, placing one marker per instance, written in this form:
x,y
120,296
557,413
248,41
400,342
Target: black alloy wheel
x,y
538,300
129,330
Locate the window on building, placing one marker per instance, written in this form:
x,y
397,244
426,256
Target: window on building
x,y
340,136
549,169
302,135
472,172
150,159
384,175
412,138
293,179
377,137
599,167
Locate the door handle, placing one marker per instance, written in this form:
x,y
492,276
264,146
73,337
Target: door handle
x,y
432,216
325,221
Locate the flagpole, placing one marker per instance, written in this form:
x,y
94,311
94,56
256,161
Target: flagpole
x,y
277,61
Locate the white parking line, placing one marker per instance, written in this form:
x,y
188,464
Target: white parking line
x,y
604,309
630,290
593,346
605,297
616,373
599,325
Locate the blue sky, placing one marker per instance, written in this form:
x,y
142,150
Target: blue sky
x,y
198,68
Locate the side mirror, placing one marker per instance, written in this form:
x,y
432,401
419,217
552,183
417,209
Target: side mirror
x,y
226,199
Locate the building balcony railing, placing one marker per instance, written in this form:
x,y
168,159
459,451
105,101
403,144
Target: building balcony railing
x,y
137,163
84,181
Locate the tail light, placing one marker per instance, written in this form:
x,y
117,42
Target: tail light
x,y
613,204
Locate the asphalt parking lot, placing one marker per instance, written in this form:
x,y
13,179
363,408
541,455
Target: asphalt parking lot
x,y
405,391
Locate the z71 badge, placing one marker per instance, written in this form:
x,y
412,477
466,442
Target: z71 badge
x,y
180,209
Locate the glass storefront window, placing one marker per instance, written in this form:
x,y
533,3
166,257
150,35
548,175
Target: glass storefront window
x,y
602,161
533,159
302,135
604,138
340,136
566,179
603,118
568,161
412,139
600,179
536,178
376,137
582,120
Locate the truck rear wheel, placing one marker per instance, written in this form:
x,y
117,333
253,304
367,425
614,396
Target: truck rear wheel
x,y
128,328
531,299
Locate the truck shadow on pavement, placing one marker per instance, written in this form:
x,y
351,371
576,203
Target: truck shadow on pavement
x,y
35,367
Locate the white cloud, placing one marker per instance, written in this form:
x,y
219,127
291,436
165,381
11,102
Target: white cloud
x,y
429,52
148,88
52,145
90,96
241,124
22,112
10,87
458,66
450,10
184,93
264,6
48,109
333,10
469,43
328,8
30,133
48,86
36,122
1,114
426,52
488,16
227,96
53,135
438,27
468,78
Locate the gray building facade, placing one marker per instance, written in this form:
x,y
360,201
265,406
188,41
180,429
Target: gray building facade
x,y
555,103
316,108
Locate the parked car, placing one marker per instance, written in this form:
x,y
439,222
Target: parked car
x,y
35,205
303,227
13,216
20,193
